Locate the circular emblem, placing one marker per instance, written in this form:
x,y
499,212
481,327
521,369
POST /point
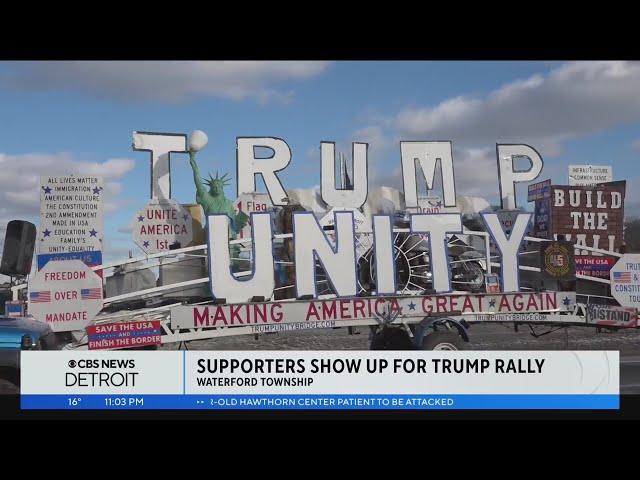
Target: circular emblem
x,y
556,260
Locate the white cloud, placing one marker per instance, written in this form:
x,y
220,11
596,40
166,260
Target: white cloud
x,y
573,100
162,81
19,187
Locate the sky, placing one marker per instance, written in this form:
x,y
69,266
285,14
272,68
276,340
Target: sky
x,y
62,118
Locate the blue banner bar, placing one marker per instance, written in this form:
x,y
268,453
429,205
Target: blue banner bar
x,y
319,402
91,259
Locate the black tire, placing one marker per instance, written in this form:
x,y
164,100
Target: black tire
x,y
444,340
9,382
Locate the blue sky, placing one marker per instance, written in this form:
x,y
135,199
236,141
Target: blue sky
x,y
78,117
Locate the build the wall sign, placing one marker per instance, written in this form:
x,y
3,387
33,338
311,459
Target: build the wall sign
x,y
589,216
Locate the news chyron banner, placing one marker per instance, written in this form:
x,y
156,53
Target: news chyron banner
x,y
320,380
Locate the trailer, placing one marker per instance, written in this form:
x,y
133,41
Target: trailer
x,y
413,318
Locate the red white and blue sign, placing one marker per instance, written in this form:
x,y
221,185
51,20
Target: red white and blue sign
x,y
124,335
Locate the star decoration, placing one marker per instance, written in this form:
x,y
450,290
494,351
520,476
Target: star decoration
x,y
47,233
46,190
93,232
412,306
438,203
492,302
566,301
96,191
141,218
185,217
145,243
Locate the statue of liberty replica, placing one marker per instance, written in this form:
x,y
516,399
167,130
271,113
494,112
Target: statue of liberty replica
x,y
213,201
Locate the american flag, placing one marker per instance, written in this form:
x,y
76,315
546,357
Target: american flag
x,y
91,294
622,277
40,297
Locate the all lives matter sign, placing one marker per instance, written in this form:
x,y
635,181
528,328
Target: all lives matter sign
x,y
70,214
66,295
160,224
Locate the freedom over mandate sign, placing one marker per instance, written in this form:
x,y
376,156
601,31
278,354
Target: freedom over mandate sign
x,y
70,214
66,295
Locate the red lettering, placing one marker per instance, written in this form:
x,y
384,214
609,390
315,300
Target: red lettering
x,y
162,214
329,312
518,304
235,314
467,306
380,303
395,307
72,295
344,309
58,276
480,297
163,229
65,317
441,304
531,304
312,310
427,308
201,318
219,316
276,316
358,306
257,313
551,301
504,302
453,302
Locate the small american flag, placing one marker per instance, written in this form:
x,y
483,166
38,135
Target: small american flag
x,y
91,294
40,297
622,277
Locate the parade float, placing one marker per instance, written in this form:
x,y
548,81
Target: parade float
x,y
416,270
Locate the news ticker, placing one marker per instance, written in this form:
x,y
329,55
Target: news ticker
x,y
320,380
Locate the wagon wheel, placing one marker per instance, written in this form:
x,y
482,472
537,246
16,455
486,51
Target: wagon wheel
x,y
413,274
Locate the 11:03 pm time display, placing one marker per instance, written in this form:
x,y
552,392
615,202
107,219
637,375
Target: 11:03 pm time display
x,y
123,402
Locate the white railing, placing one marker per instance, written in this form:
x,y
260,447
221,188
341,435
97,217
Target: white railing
x,y
163,256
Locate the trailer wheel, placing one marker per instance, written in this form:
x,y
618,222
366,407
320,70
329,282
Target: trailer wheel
x,y
443,340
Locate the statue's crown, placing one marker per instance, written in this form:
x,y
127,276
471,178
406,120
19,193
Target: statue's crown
x,y
219,180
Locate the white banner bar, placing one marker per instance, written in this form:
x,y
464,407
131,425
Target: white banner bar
x,y
340,309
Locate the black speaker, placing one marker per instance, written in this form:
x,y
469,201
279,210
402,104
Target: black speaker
x,y
19,245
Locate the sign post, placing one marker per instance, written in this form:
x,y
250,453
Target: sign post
x,y
625,280
66,295
160,224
